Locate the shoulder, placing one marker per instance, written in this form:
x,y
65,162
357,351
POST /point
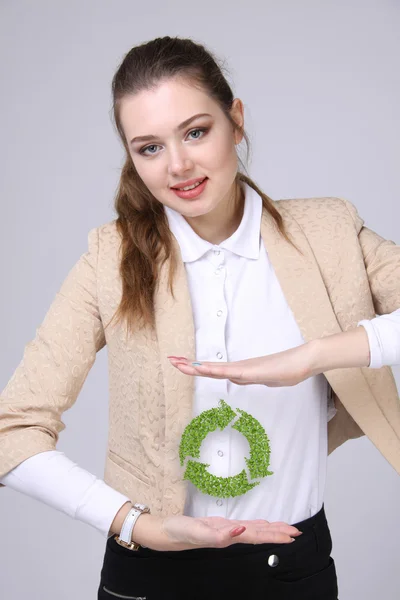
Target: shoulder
x,y
311,211
108,232
104,241
105,234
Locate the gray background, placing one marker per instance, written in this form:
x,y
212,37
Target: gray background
x,y
321,86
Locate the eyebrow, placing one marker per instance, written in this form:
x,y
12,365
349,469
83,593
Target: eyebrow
x,y
146,138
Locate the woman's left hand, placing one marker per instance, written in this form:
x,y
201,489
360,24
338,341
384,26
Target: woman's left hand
x,y
286,368
336,351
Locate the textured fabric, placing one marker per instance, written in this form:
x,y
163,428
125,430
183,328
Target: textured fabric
x,y
239,312
344,273
304,570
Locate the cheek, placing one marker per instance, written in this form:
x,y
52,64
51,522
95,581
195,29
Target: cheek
x,y
224,153
149,172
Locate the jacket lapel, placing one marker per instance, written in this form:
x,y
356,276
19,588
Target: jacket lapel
x,y
299,277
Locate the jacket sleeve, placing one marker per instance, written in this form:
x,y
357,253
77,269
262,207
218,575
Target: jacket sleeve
x,y
382,263
54,366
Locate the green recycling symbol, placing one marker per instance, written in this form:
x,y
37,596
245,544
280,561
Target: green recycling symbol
x,y
198,429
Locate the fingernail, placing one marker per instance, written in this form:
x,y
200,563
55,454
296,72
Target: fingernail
x,y
238,530
196,364
293,539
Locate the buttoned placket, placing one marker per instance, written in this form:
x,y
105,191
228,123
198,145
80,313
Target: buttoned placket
x,y
220,443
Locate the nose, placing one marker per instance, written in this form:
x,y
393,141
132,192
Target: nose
x,y
179,162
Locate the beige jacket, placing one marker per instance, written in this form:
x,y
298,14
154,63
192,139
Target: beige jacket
x,y
347,273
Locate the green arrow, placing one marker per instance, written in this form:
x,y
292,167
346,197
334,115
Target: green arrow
x,y
197,431
221,487
258,440
201,426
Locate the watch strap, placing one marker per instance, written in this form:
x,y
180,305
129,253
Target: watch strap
x,y
125,537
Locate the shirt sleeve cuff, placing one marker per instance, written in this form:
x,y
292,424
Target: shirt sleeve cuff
x,y
376,361
100,505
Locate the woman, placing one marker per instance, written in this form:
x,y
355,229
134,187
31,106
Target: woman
x,y
228,478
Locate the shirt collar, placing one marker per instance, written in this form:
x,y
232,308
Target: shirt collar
x,y
245,241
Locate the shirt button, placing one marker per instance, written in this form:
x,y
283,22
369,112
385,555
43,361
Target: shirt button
x,y
220,355
219,502
220,453
219,313
217,252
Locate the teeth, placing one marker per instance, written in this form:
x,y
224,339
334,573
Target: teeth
x,y
191,187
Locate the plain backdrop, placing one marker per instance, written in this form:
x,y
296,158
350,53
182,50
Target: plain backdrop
x,y
320,81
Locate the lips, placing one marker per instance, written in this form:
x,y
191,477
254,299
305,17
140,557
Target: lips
x,y
189,182
193,192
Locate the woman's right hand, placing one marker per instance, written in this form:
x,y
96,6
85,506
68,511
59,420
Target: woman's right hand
x,y
187,533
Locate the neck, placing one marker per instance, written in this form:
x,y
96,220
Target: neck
x,y
219,224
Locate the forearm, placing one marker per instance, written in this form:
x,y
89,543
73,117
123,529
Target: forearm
x,y
52,478
340,350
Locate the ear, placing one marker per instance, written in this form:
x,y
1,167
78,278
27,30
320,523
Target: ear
x,y
237,113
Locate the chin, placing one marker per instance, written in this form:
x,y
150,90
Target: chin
x,y
195,211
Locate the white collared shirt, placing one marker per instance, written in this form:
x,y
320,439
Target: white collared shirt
x,y
239,312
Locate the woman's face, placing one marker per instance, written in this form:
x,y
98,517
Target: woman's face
x,y
205,147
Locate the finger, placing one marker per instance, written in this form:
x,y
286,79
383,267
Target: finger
x,y
228,365
260,527
222,521
241,381
217,371
289,529
263,537
253,524
231,367
227,535
187,369
232,371
261,521
284,528
202,534
242,535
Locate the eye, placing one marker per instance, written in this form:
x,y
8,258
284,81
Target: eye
x,y
202,130
143,150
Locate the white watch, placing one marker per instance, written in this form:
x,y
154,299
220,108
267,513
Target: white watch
x,y
125,537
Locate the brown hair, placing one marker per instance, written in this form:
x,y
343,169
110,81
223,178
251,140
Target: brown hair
x,y
142,223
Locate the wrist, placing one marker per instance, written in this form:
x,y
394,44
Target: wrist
x,y
126,536
312,351
141,529
313,357
117,523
